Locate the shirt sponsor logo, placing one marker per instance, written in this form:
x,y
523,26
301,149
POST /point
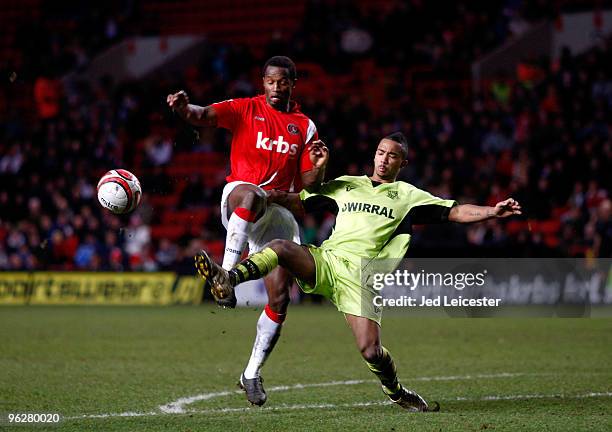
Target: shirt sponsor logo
x,y
279,145
356,207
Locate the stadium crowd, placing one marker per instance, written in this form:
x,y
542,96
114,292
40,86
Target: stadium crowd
x,y
545,140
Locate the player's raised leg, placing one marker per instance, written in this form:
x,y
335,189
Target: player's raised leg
x,y
291,256
245,205
294,258
380,362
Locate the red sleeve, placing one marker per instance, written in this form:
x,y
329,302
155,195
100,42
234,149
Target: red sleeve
x,y
305,162
229,113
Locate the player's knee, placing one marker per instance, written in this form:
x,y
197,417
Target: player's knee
x,y
371,352
254,200
281,247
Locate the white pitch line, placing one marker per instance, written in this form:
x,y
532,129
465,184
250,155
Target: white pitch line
x,y
109,415
178,406
337,406
535,396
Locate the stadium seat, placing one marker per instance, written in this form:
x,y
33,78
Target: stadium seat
x,y
513,227
186,218
549,227
171,232
163,201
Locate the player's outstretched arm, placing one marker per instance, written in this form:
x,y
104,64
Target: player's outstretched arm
x,y
467,213
193,114
319,156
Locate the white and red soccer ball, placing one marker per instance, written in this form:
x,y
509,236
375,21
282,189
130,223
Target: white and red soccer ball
x,y
119,191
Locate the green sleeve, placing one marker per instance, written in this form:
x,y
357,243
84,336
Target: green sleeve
x,y
329,189
419,197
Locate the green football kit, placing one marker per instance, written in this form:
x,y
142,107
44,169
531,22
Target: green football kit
x,y
373,225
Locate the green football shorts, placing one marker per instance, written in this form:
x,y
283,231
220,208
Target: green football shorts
x,y
339,280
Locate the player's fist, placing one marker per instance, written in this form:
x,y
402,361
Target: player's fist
x,y
507,208
319,154
178,101
291,201
274,196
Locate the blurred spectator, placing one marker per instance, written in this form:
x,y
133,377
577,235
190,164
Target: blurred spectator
x,y
158,150
11,162
167,254
85,256
496,140
603,230
543,135
137,236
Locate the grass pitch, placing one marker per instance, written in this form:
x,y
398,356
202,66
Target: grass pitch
x,y
112,368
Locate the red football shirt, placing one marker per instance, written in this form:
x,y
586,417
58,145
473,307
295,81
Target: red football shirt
x,y
269,147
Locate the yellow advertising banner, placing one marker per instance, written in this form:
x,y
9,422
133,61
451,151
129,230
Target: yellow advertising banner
x,y
99,288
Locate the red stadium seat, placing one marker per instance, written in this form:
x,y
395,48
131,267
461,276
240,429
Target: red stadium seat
x,y
186,218
549,227
552,241
513,227
248,22
171,232
216,249
163,201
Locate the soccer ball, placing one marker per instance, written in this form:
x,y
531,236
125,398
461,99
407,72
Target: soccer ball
x,y
119,191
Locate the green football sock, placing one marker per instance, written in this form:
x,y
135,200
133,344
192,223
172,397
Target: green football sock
x,y
386,372
254,267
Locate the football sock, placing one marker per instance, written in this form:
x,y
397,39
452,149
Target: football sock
x,y
268,331
384,369
254,267
238,229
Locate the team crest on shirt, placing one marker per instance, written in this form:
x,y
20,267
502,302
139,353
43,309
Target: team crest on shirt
x,y
350,187
392,194
293,129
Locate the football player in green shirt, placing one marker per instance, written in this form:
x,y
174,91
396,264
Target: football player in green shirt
x,y
374,220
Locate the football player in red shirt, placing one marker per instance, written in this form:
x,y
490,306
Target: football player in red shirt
x,y
274,146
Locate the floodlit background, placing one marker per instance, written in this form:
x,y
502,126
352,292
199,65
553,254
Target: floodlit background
x,y
498,98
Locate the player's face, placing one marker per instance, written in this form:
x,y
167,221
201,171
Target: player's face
x,y
278,87
388,161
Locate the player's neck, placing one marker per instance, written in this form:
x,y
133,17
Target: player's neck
x,y
284,109
377,179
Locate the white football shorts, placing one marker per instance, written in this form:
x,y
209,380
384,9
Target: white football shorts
x,y
276,223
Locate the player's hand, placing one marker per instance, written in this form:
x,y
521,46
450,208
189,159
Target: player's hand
x,y
273,196
507,208
291,201
178,101
319,154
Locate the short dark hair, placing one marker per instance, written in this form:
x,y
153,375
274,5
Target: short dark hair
x,y
401,139
284,62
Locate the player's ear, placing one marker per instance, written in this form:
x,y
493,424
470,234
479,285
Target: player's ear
x,y
404,163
